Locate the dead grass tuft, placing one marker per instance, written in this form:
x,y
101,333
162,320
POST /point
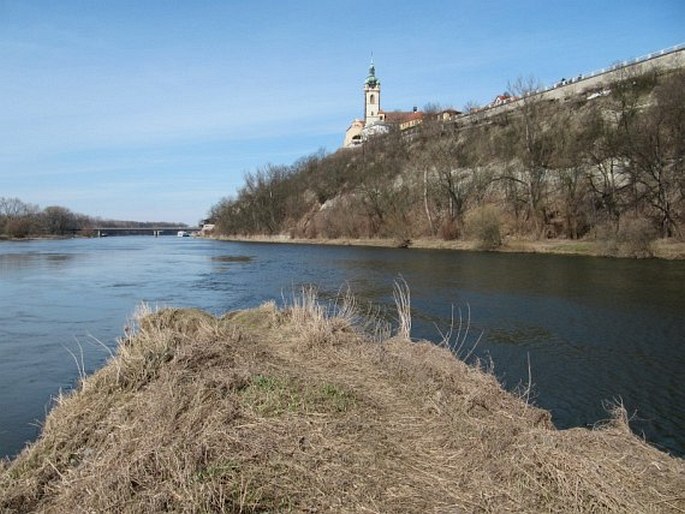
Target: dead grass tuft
x,y
402,297
298,410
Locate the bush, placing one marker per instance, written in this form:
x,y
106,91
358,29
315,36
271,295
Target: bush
x,y
18,227
449,230
484,224
341,217
633,238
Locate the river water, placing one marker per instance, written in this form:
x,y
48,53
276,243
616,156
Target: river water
x,y
592,329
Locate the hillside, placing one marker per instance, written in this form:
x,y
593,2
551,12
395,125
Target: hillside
x,y
603,165
298,410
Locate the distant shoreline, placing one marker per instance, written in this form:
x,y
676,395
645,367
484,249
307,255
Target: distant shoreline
x,y
661,249
39,238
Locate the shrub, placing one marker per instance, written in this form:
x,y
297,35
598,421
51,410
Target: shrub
x,y
18,227
484,224
635,237
449,230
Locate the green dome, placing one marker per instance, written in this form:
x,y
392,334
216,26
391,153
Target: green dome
x,y
371,79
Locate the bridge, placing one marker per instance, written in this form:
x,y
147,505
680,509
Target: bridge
x,y
153,231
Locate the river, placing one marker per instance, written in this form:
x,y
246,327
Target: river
x,y
591,329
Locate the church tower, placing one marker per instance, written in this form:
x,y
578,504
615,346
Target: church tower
x,y
372,98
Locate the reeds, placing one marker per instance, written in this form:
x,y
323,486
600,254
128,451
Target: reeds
x,y
402,296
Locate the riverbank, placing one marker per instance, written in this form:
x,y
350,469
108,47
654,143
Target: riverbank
x,y
297,410
661,249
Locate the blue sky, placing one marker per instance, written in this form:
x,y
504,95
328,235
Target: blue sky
x,y
154,110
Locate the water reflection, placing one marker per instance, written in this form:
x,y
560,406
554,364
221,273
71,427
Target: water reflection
x,y
520,335
231,258
11,262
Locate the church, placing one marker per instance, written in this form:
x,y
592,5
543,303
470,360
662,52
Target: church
x,y
376,120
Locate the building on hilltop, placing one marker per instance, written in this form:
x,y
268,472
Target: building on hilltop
x,y
502,99
377,121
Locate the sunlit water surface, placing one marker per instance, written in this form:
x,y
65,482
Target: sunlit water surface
x,y
592,329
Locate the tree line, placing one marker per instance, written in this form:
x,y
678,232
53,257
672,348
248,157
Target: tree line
x,y
19,219
607,164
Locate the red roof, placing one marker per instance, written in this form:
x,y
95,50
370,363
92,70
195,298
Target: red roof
x,y
402,116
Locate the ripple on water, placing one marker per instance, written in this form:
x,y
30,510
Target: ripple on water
x,y
231,258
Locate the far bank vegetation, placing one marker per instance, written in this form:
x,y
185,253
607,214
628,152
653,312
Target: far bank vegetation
x,y
604,166
19,220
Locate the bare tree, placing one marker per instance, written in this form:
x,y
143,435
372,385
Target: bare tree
x,y
17,219
265,193
570,179
58,220
533,147
14,208
657,153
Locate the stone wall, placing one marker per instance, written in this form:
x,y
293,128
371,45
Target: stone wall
x,y
668,59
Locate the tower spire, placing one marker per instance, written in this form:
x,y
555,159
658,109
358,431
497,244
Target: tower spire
x,y
372,97
371,79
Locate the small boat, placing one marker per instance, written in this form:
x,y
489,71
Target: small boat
x,y
183,233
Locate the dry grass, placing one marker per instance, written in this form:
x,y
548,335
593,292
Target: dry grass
x,y
661,248
296,410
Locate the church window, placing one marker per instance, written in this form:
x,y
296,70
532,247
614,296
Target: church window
x,y
372,99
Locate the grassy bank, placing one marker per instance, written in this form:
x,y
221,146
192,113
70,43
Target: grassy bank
x,y
661,249
298,410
